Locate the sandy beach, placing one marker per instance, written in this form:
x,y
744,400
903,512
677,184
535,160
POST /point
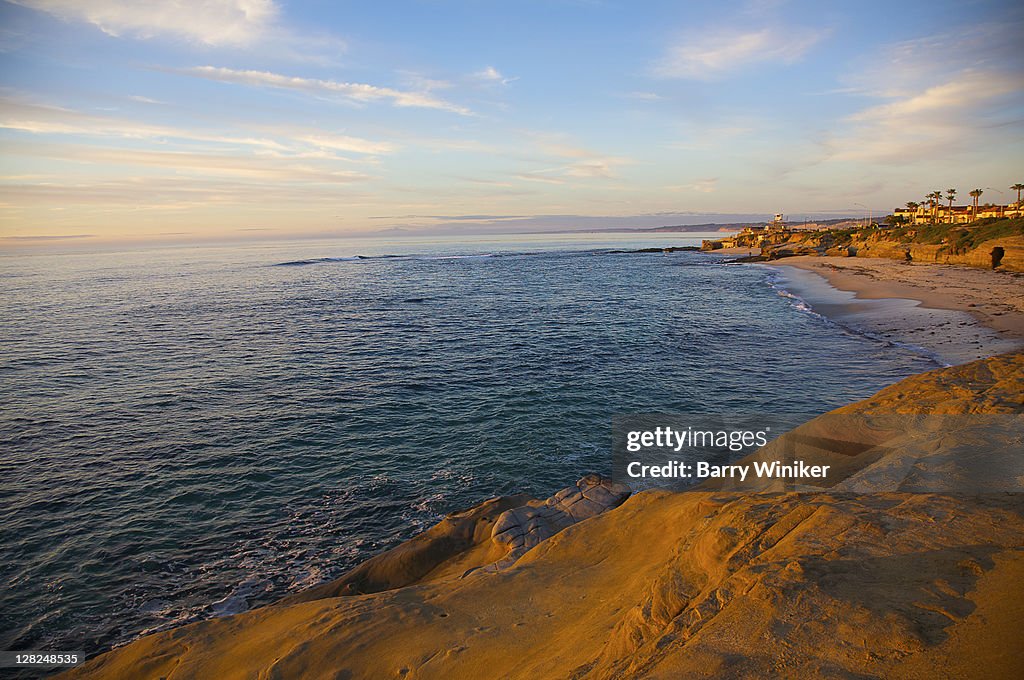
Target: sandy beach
x,y
956,313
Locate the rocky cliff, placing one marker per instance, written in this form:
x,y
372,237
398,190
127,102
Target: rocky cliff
x,y
996,245
706,583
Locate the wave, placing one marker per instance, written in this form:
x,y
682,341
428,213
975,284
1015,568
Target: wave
x,y
477,256
318,260
358,258
775,283
798,303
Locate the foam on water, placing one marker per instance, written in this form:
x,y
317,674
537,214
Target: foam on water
x,y
776,281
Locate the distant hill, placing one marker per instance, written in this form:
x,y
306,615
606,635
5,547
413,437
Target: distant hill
x,y
706,227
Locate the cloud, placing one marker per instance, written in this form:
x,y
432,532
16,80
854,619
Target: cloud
x,y
946,118
167,193
557,222
564,161
453,218
42,119
144,100
484,182
915,64
211,22
492,75
588,168
360,92
937,97
346,143
540,176
711,55
703,135
55,237
422,83
966,92
704,186
193,163
644,96
593,167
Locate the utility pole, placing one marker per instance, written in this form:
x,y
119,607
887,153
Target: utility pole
x,y
868,210
1002,207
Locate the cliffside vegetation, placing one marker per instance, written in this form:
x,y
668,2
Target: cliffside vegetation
x,y
960,237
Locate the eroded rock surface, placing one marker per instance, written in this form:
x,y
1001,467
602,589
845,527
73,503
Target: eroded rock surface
x,y
491,535
523,528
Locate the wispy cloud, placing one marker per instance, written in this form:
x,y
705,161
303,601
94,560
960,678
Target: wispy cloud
x,y
913,65
709,55
946,118
346,143
360,92
48,237
594,167
144,100
247,25
37,118
422,83
453,218
211,22
193,163
703,186
725,130
456,224
544,176
164,193
565,161
589,168
643,96
493,76
966,92
944,94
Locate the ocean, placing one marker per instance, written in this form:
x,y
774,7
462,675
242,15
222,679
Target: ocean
x,y
190,432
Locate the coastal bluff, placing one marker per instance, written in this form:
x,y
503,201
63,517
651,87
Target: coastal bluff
x,y
987,244
703,583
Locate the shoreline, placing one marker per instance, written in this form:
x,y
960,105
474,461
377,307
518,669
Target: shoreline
x,y
956,314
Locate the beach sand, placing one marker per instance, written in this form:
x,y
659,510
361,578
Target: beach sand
x,y
957,314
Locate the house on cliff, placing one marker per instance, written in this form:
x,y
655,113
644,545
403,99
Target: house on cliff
x,y
957,214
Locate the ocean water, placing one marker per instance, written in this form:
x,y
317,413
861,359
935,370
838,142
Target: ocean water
x,y
188,432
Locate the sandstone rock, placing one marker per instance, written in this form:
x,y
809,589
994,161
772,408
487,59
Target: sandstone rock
x,y
521,529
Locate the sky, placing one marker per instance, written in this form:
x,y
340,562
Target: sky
x,y
237,119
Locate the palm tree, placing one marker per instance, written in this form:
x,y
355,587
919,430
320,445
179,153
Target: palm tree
x,y
950,195
934,199
1018,187
912,206
976,194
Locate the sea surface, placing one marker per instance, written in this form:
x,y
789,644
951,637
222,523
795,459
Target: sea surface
x,y
189,432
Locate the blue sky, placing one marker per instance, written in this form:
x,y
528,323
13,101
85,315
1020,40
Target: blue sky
x,y
170,119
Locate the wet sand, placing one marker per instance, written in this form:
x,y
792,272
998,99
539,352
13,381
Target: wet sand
x,y
957,314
